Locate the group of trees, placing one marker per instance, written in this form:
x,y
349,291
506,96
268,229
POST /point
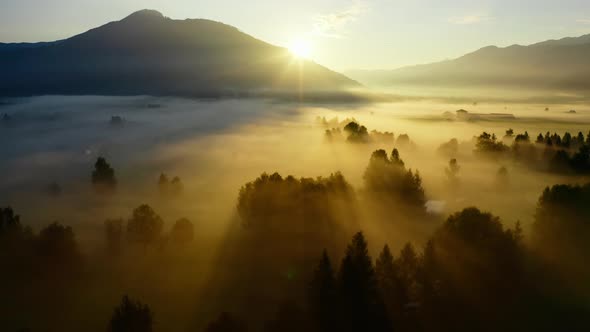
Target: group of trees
x,y
489,145
471,265
387,178
295,217
550,152
357,133
473,274
54,248
169,187
49,268
145,228
131,316
273,201
105,181
26,254
562,229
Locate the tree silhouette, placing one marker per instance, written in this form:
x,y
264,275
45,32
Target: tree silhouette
x,y
9,222
176,186
509,136
388,178
561,229
17,252
163,184
523,138
390,285
488,145
363,307
407,265
182,232
403,141
452,171
356,133
131,316
449,149
103,176
323,296
58,249
144,226
476,266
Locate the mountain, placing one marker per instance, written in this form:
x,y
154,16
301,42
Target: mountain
x,y
555,64
149,54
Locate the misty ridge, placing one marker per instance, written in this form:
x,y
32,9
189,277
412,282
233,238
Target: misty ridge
x,y
558,65
168,175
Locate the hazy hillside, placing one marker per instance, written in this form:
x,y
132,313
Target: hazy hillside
x,y
147,53
556,64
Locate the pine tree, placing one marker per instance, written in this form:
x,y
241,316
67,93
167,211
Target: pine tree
x,y
323,296
363,307
103,176
389,284
407,264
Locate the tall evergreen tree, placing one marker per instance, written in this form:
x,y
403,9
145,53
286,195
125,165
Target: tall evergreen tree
x,y
323,296
363,307
390,285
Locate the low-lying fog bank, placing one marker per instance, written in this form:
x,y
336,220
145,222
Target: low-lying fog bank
x,y
217,146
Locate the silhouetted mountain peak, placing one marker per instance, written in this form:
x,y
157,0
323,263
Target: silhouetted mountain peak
x,y
145,14
149,53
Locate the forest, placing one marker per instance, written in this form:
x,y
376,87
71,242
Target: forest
x,y
299,259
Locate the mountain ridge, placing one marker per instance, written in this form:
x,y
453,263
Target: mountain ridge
x,y
551,64
148,53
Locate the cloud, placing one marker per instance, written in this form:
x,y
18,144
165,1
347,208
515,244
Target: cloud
x,y
332,24
584,21
470,19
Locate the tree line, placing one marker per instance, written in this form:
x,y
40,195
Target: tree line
x,y
550,152
473,273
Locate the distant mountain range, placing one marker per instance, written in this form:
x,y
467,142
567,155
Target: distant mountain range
x,y
149,54
555,64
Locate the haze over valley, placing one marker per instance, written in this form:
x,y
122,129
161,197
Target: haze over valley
x,y
164,174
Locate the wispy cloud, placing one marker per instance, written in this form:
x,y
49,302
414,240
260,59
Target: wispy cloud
x,y
332,24
584,21
470,19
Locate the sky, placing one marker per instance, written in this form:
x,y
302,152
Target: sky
x,y
342,34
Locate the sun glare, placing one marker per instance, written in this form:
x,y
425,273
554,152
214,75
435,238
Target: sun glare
x,y
300,48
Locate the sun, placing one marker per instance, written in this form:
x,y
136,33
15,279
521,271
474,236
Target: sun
x,y
300,48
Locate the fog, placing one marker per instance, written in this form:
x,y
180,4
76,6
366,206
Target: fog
x,y
217,146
